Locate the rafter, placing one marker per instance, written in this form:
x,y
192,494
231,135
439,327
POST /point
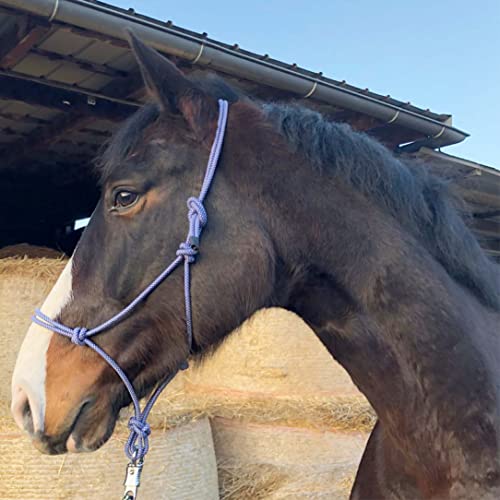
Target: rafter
x,y
74,120
491,245
393,135
484,227
43,94
486,214
16,117
77,121
22,37
357,121
100,69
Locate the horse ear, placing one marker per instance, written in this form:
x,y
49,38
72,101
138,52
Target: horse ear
x,y
172,90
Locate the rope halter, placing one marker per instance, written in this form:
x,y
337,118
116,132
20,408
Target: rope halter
x,y
137,444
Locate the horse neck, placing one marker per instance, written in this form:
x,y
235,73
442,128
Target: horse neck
x,y
411,338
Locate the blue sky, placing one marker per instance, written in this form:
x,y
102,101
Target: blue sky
x,y
438,54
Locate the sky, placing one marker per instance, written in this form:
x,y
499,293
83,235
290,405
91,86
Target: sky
x,y
438,54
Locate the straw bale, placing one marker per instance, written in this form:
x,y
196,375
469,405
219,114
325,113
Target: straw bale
x,y
341,413
239,481
249,481
31,251
24,284
181,465
273,353
285,462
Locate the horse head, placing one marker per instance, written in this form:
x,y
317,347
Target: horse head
x,y
67,397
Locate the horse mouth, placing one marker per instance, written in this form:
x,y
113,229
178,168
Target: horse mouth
x,y
83,435
72,444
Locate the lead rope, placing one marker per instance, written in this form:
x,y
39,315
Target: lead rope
x,y
137,444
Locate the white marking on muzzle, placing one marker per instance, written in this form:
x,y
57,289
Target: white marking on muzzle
x,y
28,380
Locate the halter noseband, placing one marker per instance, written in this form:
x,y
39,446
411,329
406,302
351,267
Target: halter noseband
x,y
137,444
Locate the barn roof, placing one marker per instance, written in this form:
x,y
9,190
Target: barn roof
x,y
67,77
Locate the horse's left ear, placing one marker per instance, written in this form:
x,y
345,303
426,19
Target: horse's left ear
x,y
172,90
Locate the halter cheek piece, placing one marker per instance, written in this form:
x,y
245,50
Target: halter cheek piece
x,y
137,444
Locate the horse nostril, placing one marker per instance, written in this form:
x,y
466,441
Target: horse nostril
x,y
28,418
21,410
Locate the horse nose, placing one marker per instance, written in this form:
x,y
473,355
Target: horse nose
x,y
22,410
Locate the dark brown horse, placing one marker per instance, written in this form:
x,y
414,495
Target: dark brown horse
x,y
304,214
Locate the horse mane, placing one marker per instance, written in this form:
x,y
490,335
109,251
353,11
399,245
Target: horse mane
x,y
422,202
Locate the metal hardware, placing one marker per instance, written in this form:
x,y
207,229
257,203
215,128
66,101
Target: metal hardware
x,y
132,480
194,243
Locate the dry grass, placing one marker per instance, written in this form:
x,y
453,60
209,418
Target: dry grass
x,y
343,413
44,268
346,485
24,284
30,251
249,481
239,481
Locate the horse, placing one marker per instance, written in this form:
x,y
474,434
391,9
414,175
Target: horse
x,y
370,249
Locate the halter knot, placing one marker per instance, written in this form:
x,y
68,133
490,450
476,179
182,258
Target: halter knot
x,y
187,251
138,442
79,335
197,209
140,427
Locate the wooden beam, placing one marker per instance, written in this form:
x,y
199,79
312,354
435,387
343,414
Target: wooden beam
x,y
357,121
10,131
393,135
486,228
95,35
66,124
491,245
43,94
16,117
486,214
20,39
76,121
479,198
10,36
100,69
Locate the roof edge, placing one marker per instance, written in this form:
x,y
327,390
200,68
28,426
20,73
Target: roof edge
x,y
112,22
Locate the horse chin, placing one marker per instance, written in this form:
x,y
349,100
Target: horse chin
x,y
90,429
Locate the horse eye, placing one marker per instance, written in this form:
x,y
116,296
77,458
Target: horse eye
x,y
125,199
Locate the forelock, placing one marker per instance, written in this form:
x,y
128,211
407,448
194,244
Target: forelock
x,y
125,140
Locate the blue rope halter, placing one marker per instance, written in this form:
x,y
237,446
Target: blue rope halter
x,y
137,444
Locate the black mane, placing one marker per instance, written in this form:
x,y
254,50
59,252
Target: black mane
x,y
421,201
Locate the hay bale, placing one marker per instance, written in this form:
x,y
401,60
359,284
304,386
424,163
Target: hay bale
x,y
24,284
30,251
181,465
273,353
269,461
342,413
